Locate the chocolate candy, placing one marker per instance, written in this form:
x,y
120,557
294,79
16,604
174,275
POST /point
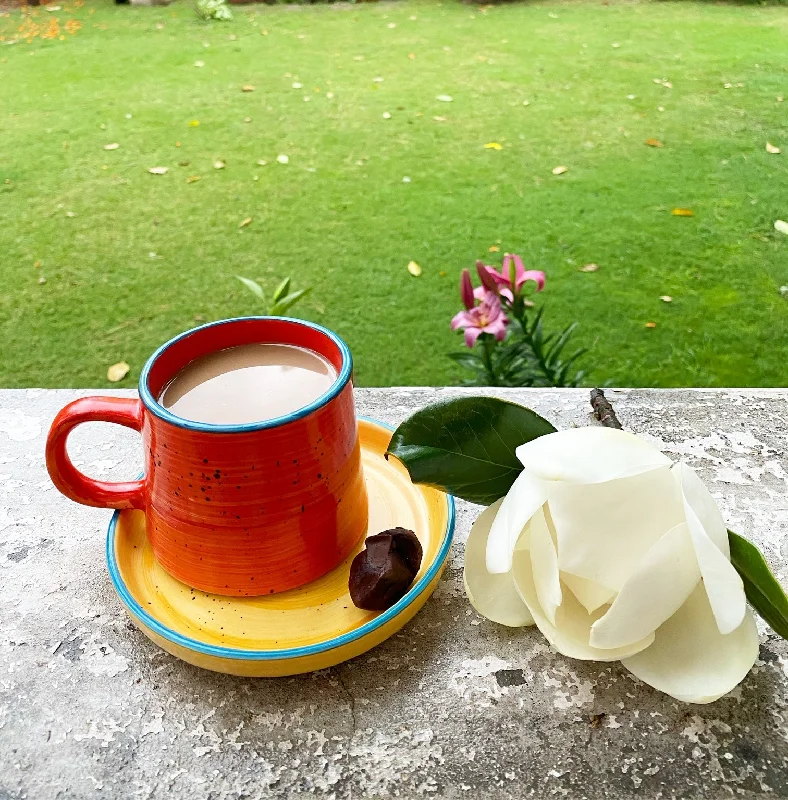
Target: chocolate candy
x,y
381,574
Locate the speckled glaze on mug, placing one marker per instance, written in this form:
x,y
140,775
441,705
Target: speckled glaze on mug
x,y
242,510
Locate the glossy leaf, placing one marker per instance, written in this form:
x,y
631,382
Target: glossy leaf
x,y
466,446
763,590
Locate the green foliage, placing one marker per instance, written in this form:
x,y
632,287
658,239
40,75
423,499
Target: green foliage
x,y
213,9
466,446
763,590
527,357
281,301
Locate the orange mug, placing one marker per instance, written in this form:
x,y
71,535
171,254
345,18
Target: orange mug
x,y
239,510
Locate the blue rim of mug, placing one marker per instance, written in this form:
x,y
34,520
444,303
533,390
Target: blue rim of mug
x,y
152,404
137,611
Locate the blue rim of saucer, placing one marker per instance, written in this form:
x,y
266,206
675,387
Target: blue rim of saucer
x,y
152,404
170,635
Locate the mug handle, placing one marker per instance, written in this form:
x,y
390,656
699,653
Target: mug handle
x,y
67,478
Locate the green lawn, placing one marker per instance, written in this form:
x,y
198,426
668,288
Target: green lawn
x,y
130,259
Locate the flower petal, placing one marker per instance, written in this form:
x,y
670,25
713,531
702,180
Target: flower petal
x,y
535,275
691,660
605,529
654,591
724,585
544,560
524,498
589,455
471,335
493,596
699,499
573,623
590,594
461,320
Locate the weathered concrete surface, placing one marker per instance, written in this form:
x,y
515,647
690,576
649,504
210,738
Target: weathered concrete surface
x,y
453,707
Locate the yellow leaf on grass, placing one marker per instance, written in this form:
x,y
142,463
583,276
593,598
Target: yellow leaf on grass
x,y
117,372
247,87
158,170
115,146
245,222
770,148
653,142
192,179
651,324
494,248
414,269
193,123
589,267
683,212
493,146
560,170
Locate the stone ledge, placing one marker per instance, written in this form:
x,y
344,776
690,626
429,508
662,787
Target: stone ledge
x,y
453,706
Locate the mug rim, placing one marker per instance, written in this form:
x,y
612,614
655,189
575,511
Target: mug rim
x,y
158,410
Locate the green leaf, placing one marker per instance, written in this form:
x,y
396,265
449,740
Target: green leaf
x,y
282,305
466,446
763,590
253,286
282,289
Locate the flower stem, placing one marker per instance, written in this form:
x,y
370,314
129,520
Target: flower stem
x,y
489,344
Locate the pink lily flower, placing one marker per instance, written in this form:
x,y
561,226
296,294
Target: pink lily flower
x,y
487,317
502,279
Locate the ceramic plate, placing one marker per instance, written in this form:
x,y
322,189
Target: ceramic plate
x,y
313,627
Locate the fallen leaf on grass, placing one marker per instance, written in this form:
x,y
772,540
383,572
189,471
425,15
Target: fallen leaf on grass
x,y
589,268
297,85
115,146
683,212
158,170
52,8
781,226
247,87
439,119
199,63
651,324
245,222
560,170
493,146
414,269
386,115
42,280
770,148
653,142
666,298
283,159
184,163
494,248
442,273
219,165
663,82
192,179
117,372
445,98
411,56
193,123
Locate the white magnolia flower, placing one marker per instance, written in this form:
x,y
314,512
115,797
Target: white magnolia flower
x,y
616,553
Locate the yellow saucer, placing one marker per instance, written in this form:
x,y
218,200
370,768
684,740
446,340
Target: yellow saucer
x,y
305,629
